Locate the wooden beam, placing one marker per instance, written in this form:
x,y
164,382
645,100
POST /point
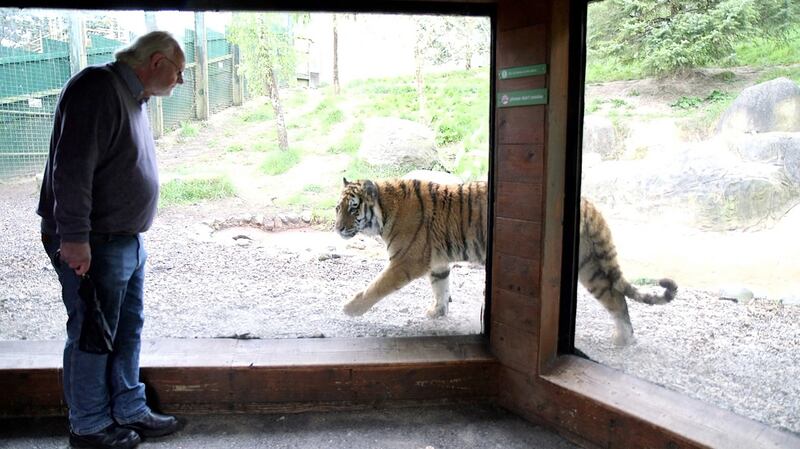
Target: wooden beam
x,y
201,67
202,375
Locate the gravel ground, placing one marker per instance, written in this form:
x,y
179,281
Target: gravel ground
x,y
742,357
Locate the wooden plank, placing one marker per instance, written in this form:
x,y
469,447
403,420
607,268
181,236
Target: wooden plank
x,y
521,125
515,274
522,47
240,375
555,163
535,82
521,163
522,201
513,14
518,311
29,391
519,238
514,348
619,410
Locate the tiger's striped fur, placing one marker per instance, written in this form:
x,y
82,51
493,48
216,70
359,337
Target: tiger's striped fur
x,y
426,226
600,273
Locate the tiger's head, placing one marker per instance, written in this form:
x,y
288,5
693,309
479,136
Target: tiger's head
x,y
358,209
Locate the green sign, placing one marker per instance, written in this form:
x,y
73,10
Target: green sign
x,y
521,98
523,71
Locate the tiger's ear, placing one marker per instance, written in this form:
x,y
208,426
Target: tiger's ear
x,y
370,189
344,180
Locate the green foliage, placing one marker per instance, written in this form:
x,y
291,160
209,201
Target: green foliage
x,y
668,36
278,161
234,148
312,188
189,129
687,102
266,44
179,191
694,102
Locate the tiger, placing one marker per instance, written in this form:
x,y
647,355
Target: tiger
x,y
426,226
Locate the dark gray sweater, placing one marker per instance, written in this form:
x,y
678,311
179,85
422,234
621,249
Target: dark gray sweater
x,y
101,174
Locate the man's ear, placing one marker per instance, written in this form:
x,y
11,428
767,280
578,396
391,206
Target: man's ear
x,y
154,58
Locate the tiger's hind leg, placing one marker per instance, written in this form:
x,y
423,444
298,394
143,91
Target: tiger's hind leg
x,y
595,280
440,283
394,277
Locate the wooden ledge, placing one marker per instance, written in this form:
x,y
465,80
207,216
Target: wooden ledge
x,y
617,403
205,375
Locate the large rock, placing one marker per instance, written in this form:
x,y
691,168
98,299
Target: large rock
x,y
398,143
767,107
703,185
600,137
439,177
779,148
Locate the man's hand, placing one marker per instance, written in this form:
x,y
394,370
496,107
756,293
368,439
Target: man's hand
x,y
78,255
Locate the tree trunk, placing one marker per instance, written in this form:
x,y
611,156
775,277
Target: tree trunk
x,y
335,57
280,122
419,60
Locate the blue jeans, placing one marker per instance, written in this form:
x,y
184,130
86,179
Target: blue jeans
x,y
101,389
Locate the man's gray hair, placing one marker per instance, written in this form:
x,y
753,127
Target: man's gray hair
x,y
144,46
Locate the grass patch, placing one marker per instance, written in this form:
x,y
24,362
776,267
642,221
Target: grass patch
x,y
765,52
326,114
359,169
261,113
457,101
234,148
793,73
599,70
180,191
278,161
188,129
350,142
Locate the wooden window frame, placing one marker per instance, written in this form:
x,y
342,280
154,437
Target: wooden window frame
x,y
522,361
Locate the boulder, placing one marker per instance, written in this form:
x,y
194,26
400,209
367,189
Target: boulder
x,y
767,107
779,148
397,143
701,185
439,177
600,137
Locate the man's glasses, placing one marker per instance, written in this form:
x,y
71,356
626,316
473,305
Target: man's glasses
x,y
179,71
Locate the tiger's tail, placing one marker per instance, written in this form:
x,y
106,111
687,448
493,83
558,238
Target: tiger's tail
x,y
670,289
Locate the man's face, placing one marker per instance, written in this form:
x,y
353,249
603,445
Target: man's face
x,y
167,73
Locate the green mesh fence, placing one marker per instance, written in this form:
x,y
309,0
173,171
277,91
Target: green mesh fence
x,y
29,86
31,80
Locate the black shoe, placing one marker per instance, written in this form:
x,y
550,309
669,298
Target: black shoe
x,y
112,437
153,425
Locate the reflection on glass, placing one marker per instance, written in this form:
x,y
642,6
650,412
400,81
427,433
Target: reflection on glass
x,y
690,151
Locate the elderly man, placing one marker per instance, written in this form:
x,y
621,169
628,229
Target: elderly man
x,y
99,193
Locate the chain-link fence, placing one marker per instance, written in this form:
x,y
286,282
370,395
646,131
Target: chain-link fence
x,y
40,50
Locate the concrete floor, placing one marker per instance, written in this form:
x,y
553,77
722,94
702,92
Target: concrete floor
x,y
474,426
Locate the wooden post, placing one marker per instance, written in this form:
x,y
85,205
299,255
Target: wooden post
x,y
236,79
200,68
158,104
77,47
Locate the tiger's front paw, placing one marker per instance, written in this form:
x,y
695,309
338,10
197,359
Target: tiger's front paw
x,y
356,306
436,311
